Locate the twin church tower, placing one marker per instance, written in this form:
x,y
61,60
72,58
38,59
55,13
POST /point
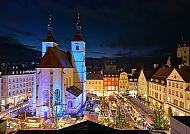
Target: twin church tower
x,y
60,78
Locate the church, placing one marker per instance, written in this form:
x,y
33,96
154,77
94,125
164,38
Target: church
x,y
60,78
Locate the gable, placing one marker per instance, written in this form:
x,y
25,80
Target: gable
x,y
175,76
142,76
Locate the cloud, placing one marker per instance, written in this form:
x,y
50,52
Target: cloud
x,y
15,52
17,31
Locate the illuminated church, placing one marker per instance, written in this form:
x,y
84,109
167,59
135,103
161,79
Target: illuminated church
x,y
60,79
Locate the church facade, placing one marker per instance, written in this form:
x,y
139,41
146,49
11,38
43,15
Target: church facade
x,y
60,78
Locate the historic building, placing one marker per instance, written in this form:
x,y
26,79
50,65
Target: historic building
x,y
158,88
16,87
183,52
143,82
110,78
178,92
123,81
60,77
94,83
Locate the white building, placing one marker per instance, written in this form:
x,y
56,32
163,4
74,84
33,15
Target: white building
x,y
178,92
16,88
58,71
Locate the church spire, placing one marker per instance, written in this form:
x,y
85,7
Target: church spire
x,y
78,35
49,37
50,26
78,26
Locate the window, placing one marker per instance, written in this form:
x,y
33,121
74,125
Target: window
x,y
45,97
169,83
173,84
177,93
156,95
181,104
9,80
176,102
169,91
177,85
70,104
77,47
9,93
181,95
181,85
173,93
57,97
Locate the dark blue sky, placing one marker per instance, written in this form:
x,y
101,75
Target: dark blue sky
x,y
120,28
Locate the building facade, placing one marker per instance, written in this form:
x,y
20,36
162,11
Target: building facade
x,y
123,81
158,88
178,95
94,83
16,88
57,72
143,82
183,52
74,97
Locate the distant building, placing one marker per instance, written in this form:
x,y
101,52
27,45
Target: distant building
x,y
110,78
15,88
180,125
123,81
133,84
158,87
183,52
94,83
178,92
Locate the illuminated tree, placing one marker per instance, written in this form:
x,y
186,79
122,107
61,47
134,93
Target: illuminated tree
x,y
160,122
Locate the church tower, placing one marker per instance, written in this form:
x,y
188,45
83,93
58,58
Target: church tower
x,y
183,52
78,59
49,40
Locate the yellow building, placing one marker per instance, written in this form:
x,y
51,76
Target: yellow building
x,y
178,92
123,81
143,83
158,88
94,83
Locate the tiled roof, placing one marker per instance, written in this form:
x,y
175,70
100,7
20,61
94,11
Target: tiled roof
x,y
149,73
109,72
184,72
162,74
94,76
74,90
55,58
183,44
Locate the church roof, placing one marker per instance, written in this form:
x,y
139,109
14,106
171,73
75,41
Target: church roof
x,y
74,90
55,58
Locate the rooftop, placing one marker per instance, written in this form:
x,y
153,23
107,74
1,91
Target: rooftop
x,y
74,90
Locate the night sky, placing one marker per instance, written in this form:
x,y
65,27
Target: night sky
x,y
131,30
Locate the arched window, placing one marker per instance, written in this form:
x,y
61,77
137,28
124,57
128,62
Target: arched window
x,y
46,97
57,97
